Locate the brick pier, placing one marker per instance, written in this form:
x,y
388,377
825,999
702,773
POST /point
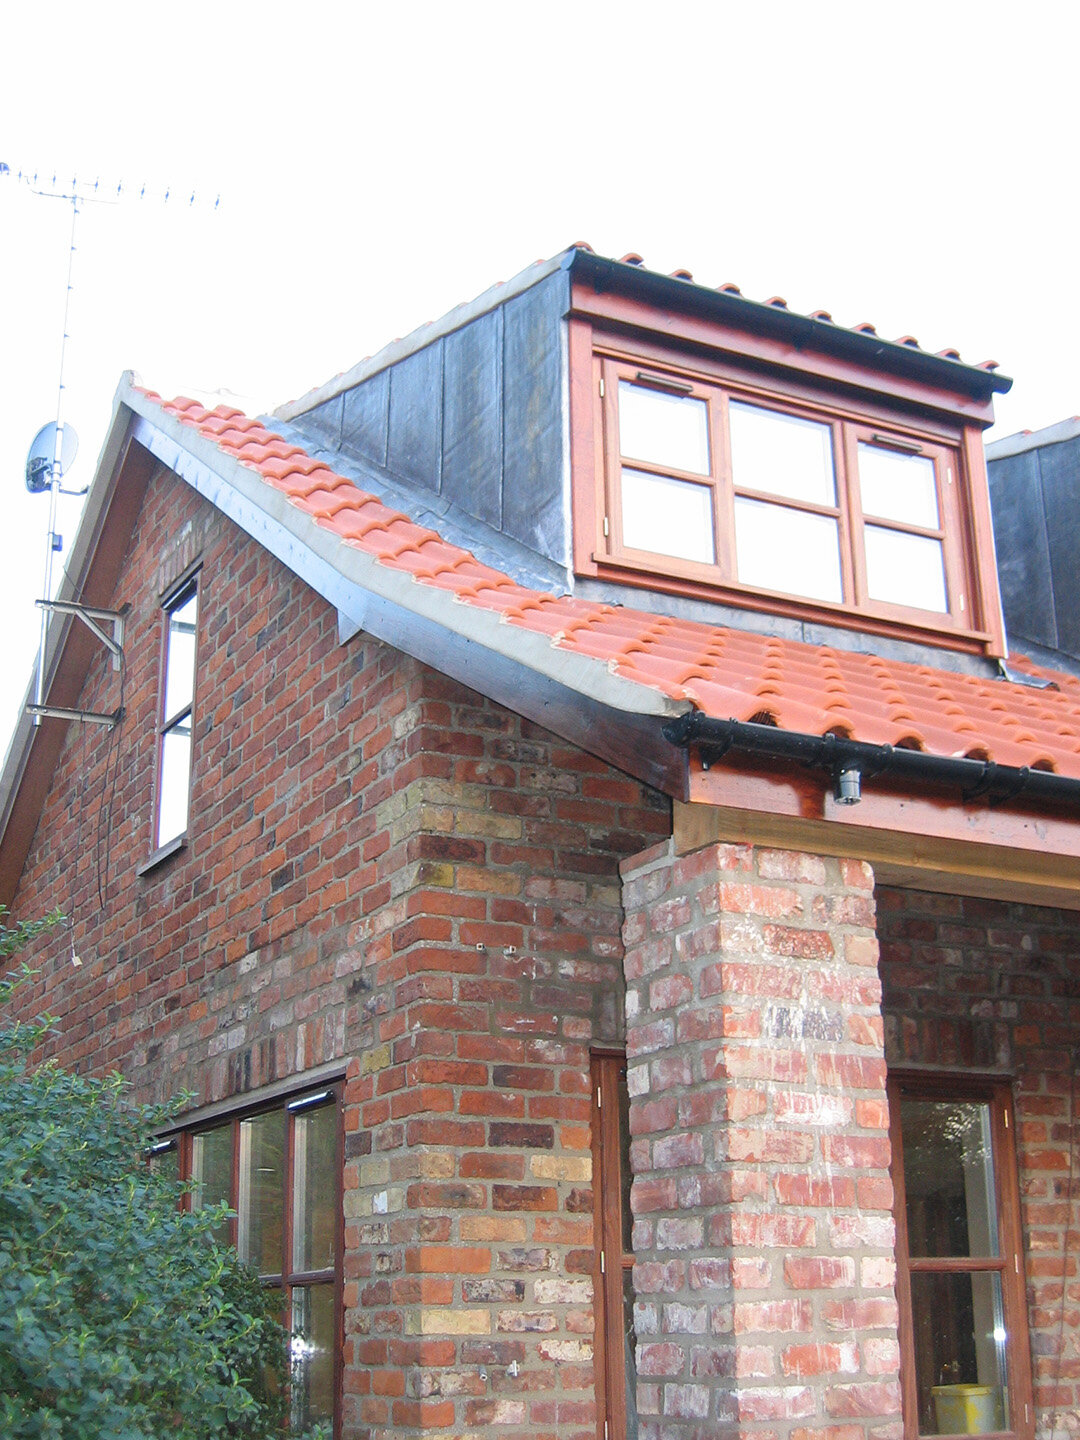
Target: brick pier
x,y
763,1232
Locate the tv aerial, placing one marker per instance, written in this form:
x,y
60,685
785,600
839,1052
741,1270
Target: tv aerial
x,y
54,447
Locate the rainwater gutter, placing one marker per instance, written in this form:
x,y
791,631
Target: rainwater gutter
x,y
850,763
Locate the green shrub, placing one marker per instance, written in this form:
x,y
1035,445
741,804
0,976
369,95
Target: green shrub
x,y
120,1316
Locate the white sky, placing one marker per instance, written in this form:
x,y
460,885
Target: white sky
x,y
912,164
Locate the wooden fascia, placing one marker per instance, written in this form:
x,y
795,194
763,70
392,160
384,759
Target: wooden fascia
x,y
915,840
620,313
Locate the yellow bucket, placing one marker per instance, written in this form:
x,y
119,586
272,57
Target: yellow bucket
x,y
966,1409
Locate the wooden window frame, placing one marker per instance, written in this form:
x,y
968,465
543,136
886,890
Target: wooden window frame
x,y
291,1104
1009,1264
597,360
611,1258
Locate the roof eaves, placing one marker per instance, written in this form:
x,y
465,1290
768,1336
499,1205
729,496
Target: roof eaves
x,y
346,575
862,344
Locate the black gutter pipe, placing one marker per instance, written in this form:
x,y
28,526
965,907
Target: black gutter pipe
x,y
977,779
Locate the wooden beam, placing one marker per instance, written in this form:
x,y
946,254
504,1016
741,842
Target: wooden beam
x,y
1004,856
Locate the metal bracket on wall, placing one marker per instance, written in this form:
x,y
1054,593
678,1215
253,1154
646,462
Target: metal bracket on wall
x,y
95,620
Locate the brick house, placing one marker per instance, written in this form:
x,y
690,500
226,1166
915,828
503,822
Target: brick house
x,y
569,822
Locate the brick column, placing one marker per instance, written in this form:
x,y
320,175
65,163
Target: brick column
x,y
763,1232
490,958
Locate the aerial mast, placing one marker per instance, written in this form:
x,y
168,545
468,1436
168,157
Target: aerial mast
x,y
55,445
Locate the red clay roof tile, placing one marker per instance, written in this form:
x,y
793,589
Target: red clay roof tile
x,y
729,674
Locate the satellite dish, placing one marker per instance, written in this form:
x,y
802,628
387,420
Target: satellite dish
x,y
39,462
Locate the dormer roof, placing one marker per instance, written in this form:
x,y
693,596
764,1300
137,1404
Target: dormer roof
x,y
679,291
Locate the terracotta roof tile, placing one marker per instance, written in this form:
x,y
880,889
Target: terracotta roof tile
x,y
729,674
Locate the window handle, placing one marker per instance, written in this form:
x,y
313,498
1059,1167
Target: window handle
x,y
893,442
662,382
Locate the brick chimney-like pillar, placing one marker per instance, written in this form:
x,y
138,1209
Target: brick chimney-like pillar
x,y
763,1233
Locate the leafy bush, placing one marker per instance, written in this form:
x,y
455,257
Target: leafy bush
x,y
120,1316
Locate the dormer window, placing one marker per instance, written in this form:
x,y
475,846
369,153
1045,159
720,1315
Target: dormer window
x,y
731,484
784,497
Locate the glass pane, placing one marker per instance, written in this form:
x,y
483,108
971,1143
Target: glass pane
x,y
961,1377
669,430
626,1173
311,1349
261,1208
180,657
789,550
166,1162
630,1355
905,569
314,1188
898,487
211,1170
949,1178
668,517
175,781
782,455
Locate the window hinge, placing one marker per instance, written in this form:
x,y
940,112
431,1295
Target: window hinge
x,y
605,1430
607,527
1006,1119
1016,1263
602,1270
963,605
599,1098
601,387
948,474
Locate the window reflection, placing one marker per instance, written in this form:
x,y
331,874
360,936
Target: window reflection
x,y
949,1178
174,759
781,454
180,657
314,1210
959,1332
797,551
175,783
898,487
311,1353
212,1171
667,517
958,1319
904,569
667,430
261,1204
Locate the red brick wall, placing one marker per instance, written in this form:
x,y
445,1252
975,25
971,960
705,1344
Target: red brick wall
x,y
763,1232
984,985
385,870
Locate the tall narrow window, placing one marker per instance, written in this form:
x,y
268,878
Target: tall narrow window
x,y
613,1268
965,1367
177,700
279,1170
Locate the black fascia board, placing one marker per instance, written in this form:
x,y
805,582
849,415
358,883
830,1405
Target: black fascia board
x,y
802,331
983,780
